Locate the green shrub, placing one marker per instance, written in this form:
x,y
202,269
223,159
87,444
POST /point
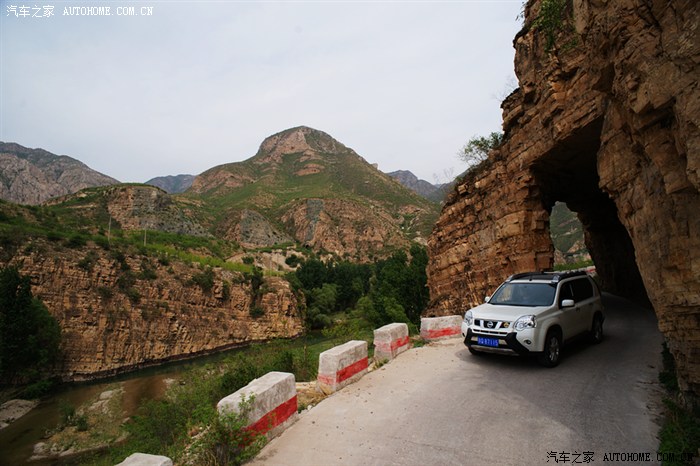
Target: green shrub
x,y
293,260
76,241
133,294
88,262
105,293
37,389
54,236
225,291
227,442
205,279
256,312
81,423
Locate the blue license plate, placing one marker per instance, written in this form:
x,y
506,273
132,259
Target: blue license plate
x,y
493,342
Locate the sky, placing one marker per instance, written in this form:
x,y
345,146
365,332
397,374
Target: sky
x,y
182,86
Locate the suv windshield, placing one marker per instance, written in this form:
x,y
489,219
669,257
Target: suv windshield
x,y
524,294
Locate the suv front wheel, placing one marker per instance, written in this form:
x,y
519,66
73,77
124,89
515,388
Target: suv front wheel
x,y
597,329
552,349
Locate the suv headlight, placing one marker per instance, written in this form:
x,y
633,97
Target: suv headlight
x,y
468,318
524,322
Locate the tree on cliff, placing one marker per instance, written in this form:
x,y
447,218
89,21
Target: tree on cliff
x,y
29,335
477,148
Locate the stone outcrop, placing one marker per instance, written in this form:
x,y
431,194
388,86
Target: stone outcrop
x,y
145,207
117,315
606,121
32,176
134,207
253,230
344,227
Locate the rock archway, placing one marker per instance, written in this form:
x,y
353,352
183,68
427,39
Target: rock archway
x,y
569,173
607,121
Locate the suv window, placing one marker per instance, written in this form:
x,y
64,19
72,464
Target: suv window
x,y
524,294
582,289
565,292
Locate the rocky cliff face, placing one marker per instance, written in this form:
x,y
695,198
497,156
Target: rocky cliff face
x,y
606,121
133,207
32,176
344,227
119,314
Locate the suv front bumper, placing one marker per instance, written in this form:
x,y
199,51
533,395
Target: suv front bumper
x,y
507,343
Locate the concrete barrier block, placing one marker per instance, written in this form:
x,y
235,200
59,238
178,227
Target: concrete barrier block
x,y
342,365
143,459
390,341
437,328
274,407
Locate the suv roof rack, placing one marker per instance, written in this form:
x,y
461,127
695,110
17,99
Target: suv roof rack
x,y
551,276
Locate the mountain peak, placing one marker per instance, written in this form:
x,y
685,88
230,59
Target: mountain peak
x,y
301,139
32,176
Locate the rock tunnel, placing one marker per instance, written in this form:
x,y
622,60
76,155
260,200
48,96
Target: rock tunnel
x,y
569,173
611,126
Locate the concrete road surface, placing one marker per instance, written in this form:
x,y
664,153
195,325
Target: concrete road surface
x,y
439,405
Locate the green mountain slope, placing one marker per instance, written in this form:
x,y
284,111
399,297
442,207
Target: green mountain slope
x,y
302,164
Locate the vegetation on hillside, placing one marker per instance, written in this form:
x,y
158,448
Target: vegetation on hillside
x,y
29,335
389,290
272,187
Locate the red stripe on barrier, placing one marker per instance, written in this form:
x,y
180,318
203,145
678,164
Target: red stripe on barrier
x,y
326,379
275,417
391,346
347,372
442,332
399,343
344,373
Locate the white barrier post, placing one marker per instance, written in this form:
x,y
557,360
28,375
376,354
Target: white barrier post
x,y
390,341
274,407
438,328
342,365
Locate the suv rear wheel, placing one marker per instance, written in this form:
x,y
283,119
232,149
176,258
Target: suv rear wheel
x,y
552,349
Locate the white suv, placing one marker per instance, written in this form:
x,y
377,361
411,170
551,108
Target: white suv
x,y
535,313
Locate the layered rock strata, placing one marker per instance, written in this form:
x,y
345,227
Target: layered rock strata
x,y
114,319
606,121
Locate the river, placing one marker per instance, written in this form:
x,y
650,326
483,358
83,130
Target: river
x,y
18,439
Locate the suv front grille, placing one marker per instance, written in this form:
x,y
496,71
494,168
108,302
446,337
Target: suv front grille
x,y
492,324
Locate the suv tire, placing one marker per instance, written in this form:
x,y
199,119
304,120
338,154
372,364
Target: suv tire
x,y
552,350
597,329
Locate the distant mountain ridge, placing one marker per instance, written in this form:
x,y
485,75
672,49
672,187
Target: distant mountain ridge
x,y
412,182
432,192
32,176
173,184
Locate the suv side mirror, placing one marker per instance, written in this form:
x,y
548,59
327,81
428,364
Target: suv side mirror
x,y
568,303
487,299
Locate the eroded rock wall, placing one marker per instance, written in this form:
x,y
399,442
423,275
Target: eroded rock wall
x,y
608,122
121,314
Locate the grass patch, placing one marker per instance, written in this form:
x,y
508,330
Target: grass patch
x,y
679,438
